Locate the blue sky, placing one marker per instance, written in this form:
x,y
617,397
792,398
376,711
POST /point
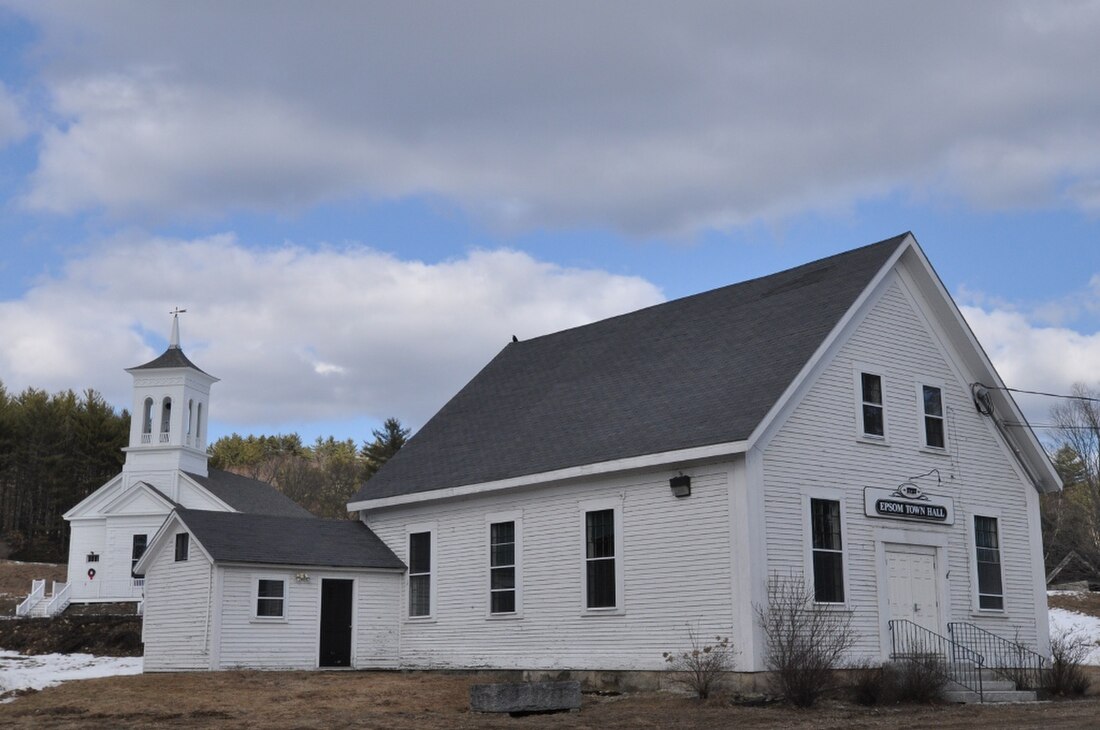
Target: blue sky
x,y
360,204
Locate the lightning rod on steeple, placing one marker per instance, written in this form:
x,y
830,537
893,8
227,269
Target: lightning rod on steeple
x,y
175,339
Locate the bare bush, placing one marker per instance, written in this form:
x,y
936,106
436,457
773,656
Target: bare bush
x,y
1067,655
703,667
805,642
919,678
871,685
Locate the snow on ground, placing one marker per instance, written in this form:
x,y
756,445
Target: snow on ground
x,y
19,671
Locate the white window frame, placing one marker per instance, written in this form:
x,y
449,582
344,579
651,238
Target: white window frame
x,y
517,519
616,506
832,495
277,577
175,547
433,571
972,531
921,415
857,378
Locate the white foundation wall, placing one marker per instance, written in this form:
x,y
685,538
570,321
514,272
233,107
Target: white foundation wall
x,y
245,641
817,449
675,562
176,627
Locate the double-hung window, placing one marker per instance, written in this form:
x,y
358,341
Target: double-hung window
x,y
183,545
502,567
270,598
828,551
932,403
601,580
420,574
872,410
988,547
138,549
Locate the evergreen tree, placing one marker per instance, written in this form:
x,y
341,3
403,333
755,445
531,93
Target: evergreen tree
x,y
387,441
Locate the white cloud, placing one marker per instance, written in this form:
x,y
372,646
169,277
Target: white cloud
x,y
643,117
296,334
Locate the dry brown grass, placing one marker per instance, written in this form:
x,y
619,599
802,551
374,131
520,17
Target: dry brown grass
x,y
427,701
1083,602
16,578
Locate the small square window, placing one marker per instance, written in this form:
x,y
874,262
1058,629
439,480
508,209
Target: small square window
x,y
270,598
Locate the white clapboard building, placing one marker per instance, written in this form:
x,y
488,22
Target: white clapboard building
x,y
165,468
593,493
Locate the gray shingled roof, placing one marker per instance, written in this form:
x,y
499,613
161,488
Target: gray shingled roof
x,y
249,495
173,357
239,538
691,372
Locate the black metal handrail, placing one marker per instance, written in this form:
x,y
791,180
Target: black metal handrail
x,y
1009,659
912,642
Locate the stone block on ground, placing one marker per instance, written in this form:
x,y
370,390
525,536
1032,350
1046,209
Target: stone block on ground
x,y
528,697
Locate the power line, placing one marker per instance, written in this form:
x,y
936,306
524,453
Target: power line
x,y
1039,392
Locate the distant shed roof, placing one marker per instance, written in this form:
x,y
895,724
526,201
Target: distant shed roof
x,y
249,495
691,372
266,539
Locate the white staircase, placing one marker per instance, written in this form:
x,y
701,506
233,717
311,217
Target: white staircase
x,y
39,604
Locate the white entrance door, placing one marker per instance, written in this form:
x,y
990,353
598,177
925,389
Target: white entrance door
x,y
911,573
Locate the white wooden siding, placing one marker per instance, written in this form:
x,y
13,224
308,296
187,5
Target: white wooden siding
x,y
292,643
818,447
176,627
677,572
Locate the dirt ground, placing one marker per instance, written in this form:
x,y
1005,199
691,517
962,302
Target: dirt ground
x,y
427,701
15,581
1083,602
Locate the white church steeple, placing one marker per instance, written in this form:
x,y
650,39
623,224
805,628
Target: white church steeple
x,y
170,408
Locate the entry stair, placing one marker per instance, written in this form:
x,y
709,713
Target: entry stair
x,y
39,604
978,665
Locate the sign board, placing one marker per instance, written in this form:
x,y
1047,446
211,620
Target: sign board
x,y
907,502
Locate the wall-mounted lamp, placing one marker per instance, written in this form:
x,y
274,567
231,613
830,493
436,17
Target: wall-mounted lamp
x,y
680,485
301,577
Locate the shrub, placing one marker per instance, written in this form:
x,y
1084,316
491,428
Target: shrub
x,y
1067,654
871,685
702,668
919,678
804,642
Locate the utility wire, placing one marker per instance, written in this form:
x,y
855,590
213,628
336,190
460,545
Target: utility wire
x,y
1039,392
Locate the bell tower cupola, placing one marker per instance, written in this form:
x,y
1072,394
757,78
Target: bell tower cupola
x,y
171,405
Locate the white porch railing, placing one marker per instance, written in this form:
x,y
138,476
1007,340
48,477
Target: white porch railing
x,y
164,437
38,589
60,600
146,438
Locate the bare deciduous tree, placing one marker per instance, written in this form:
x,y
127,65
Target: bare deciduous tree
x,y
805,642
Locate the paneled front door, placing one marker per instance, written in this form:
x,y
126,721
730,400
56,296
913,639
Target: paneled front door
x,y
911,573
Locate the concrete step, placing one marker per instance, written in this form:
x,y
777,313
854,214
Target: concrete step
x,y
966,696
988,685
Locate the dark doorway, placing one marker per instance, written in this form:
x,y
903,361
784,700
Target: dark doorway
x,y
336,622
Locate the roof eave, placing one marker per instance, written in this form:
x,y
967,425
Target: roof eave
x,y
645,461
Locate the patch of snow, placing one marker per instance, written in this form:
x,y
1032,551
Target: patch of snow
x,y
1079,625
21,671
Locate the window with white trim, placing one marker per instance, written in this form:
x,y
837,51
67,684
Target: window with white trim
x,y
183,546
420,574
502,567
988,547
138,549
270,598
828,551
872,418
932,405
601,580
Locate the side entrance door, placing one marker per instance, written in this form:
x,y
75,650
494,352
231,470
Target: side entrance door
x,y
911,573
336,601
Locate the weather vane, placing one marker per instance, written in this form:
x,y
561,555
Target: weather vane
x,y
177,312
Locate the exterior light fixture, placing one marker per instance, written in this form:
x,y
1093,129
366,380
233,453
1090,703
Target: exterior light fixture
x,y
680,485
301,577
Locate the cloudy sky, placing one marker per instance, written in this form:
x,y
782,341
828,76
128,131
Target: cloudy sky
x,y
359,204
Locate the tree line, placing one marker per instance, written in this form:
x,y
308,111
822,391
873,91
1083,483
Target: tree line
x,y
322,477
